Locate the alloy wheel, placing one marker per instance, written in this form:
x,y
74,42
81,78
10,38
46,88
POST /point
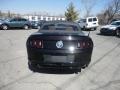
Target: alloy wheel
x,y
26,27
4,27
118,33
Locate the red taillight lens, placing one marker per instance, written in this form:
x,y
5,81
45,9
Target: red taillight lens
x,y
85,44
37,43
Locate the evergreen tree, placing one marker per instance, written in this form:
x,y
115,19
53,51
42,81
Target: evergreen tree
x,y
71,14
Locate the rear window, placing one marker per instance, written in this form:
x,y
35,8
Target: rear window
x,y
60,27
82,20
67,27
48,26
13,20
115,23
118,23
90,20
94,19
23,20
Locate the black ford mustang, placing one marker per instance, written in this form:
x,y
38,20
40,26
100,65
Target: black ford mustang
x,y
59,45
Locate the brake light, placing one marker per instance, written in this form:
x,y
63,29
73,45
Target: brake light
x,y
85,44
37,43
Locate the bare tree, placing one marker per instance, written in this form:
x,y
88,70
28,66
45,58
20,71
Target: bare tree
x,y
111,11
113,8
88,6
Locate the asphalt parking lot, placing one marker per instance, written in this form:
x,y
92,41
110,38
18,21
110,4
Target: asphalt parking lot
x,y
103,72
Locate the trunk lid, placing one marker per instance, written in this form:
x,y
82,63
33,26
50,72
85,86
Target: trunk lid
x,y
53,39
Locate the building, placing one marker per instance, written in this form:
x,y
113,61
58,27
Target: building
x,y
46,18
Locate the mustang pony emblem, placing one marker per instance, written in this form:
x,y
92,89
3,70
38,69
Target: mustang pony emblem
x,y
59,44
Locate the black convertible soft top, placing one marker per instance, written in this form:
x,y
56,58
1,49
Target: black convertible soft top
x,y
60,24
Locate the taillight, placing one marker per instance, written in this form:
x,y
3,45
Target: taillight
x,y
36,43
85,44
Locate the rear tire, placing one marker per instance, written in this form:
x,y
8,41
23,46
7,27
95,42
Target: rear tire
x,y
94,29
118,33
84,28
4,27
26,27
76,71
84,66
32,67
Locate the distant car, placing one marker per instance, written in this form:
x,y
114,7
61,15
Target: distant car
x,y
15,23
40,23
37,24
118,31
59,45
1,20
115,20
34,24
110,29
89,23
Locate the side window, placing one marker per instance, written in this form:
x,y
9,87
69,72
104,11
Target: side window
x,y
13,20
118,23
48,27
79,21
23,20
19,20
90,20
94,19
84,20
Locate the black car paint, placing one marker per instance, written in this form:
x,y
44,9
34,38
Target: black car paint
x,y
80,56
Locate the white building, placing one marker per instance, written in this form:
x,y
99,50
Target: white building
x,y
46,18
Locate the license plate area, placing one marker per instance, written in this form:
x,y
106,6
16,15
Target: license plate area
x,y
59,59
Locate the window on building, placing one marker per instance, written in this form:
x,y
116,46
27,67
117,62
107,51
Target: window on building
x,y
44,18
48,18
39,18
33,18
53,18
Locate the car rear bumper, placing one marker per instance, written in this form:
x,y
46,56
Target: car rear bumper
x,y
90,27
63,58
